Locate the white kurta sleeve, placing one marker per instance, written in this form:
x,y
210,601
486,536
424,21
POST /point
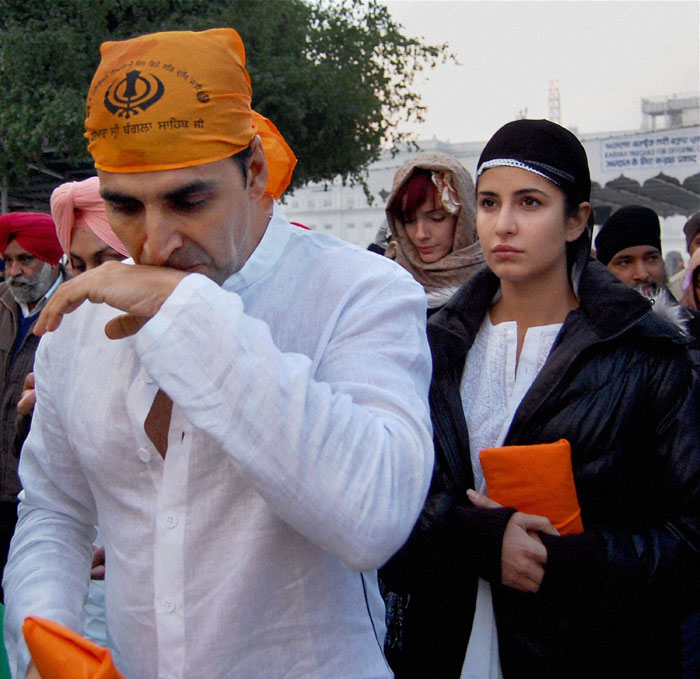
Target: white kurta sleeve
x,y
339,447
48,570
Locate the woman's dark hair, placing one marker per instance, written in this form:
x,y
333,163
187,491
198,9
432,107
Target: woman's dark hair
x,y
413,193
570,205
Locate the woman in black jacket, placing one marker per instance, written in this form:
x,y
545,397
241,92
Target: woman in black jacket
x,y
547,344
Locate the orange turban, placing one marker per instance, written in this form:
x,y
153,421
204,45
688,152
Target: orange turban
x,y
280,158
79,204
170,100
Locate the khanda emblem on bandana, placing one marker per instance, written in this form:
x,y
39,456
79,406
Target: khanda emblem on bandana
x,y
133,93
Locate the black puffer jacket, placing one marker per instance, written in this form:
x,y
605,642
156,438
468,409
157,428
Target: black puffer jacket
x,y
618,385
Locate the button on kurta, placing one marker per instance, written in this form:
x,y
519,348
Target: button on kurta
x,y
168,606
144,455
171,520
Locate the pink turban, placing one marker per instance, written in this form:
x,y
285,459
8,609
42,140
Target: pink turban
x,y
79,204
35,232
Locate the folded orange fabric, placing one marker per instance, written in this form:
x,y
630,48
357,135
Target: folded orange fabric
x,y
60,653
536,479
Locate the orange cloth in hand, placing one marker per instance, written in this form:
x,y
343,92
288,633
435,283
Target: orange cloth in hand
x,y
60,653
536,479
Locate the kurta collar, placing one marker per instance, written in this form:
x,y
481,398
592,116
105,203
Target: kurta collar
x,y
264,256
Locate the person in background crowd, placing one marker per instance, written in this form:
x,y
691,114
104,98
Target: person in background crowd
x,y
257,439
691,229
86,239
629,244
544,345
82,227
691,295
381,240
31,253
430,213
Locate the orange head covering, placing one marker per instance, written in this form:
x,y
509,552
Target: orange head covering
x,y
170,100
79,204
280,158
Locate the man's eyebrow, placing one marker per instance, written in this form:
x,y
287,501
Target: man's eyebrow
x,y
116,196
200,186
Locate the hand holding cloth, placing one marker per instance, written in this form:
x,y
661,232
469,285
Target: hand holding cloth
x,y
535,479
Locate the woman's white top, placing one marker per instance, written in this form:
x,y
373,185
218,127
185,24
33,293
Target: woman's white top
x,y
493,385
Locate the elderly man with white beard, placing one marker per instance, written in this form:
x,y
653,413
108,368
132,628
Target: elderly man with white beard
x,y
31,253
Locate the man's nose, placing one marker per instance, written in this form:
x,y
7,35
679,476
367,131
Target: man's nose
x,y
13,268
162,238
640,271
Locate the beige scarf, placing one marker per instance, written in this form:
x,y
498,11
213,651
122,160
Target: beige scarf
x,y
440,279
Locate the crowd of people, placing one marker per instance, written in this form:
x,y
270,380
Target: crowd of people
x,y
233,447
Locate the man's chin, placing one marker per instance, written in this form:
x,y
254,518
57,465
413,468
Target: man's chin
x,y
23,294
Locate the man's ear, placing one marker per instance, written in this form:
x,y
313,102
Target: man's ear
x,y
257,170
576,224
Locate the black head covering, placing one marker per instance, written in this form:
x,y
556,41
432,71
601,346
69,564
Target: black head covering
x,y
629,226
542,147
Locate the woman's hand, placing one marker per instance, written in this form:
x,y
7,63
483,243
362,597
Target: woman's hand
x,y
522,554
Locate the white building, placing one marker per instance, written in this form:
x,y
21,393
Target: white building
x,y
663,164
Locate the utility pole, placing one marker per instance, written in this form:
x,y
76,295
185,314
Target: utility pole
x,y
554,102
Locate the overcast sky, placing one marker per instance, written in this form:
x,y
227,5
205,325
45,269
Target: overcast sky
x,y
606,55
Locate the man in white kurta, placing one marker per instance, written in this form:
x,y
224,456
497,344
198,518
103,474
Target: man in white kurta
x,y
298,449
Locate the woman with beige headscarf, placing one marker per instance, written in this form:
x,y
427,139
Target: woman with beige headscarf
x,y
431,213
